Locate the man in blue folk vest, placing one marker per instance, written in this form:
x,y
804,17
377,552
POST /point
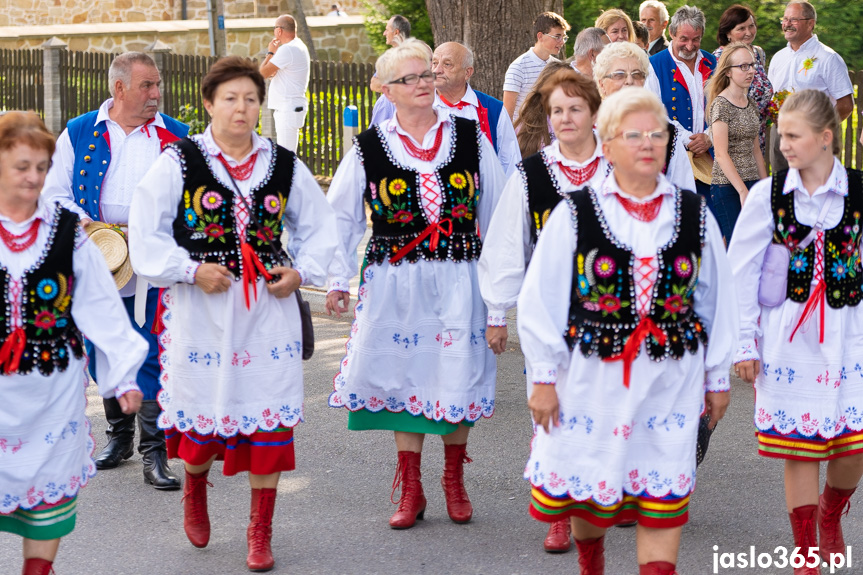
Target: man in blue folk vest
x,y
452,64
678,78
100,158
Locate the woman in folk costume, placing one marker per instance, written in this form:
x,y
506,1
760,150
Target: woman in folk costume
x,y
623,65
56,286
206,223
573,161
417,362
801,331
616,337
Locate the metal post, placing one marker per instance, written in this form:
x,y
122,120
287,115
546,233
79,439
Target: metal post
x,y
52,83
216,21
350,127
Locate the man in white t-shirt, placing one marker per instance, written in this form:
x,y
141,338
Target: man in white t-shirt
x,y
549,30
805,63
288,63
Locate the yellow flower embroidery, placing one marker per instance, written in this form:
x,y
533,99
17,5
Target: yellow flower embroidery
x,y
398,187
457,181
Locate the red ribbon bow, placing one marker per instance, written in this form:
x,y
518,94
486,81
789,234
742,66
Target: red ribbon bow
x,y
434,229
481,112
13,348
644,328
816,298
251,267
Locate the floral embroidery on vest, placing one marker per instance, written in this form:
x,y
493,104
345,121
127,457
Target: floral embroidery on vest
x,y
46,302
842,267
393,194
602,312
205,223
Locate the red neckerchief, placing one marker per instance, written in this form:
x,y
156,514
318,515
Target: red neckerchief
x,y
481,112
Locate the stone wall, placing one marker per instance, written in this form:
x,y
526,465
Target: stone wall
x,y
33,12
338,39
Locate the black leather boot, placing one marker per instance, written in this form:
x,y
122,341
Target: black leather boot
x,y
121,436
152,447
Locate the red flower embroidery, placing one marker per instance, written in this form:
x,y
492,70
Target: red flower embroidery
x,y
214,230
403,217
673,304
45,320
264,234
609,303
459,211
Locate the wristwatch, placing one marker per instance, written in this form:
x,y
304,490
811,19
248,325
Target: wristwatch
x,y
270,53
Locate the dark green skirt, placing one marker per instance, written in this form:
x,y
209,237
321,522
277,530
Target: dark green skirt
x,y
365,420
43,522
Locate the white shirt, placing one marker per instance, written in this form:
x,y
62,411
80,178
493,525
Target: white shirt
x,y
348,186
754,233
508,153
696,92
288,86
827,71
132,155
507,246
522,74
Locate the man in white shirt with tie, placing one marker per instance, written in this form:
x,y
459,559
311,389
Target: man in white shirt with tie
x,y
452,64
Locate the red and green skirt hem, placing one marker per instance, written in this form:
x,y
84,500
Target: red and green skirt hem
x,y
647,511
43,522
797,447
365,420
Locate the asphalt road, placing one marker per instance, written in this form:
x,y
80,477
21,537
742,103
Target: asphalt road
x,y
332,511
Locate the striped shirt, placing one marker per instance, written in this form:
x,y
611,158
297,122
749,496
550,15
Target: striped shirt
x,y
521,75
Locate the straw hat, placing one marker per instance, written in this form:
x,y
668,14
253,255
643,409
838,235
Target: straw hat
x,y
114,249
702,167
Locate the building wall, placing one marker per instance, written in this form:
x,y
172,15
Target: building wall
x,y
34,12
337,39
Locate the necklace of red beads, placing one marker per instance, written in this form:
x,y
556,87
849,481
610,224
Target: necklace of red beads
x,y
20,242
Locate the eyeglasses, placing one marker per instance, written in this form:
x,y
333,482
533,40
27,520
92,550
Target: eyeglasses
x,y
414,79
634,138
744,67
557,37
620,76
793,21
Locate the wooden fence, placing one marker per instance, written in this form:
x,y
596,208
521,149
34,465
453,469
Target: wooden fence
x,y
21,80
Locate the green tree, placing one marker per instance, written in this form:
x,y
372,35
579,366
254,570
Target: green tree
x,y
379,11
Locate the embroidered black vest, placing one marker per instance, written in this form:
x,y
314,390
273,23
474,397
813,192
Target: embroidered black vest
x,y
393,195
205,224
46,302
842,271
602,313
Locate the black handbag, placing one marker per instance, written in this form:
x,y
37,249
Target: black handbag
x,y
284,259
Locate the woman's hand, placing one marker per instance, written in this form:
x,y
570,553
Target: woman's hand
x,y
213,278
747,370
744,193
130,402
544,406
287,284
715,405
496,336
334,298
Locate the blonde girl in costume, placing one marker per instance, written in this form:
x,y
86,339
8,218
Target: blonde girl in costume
x,y
802,345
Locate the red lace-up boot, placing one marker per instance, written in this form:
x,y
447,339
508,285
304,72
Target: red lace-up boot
x,y
412,501
458,505
36,566
803,526
196,520
559,537
260,531
657,568
833,503
591,556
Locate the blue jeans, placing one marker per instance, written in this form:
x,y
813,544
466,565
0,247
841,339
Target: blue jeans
x,y
726,206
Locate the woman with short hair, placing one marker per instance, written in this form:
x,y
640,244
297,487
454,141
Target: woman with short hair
x,y
417,362
627,285
206,224
57,287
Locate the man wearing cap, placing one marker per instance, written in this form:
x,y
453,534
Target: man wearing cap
x,y
100,158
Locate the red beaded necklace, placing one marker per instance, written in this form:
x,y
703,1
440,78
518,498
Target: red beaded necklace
x,y
420,153
240,171
20,242
643,212
579,175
